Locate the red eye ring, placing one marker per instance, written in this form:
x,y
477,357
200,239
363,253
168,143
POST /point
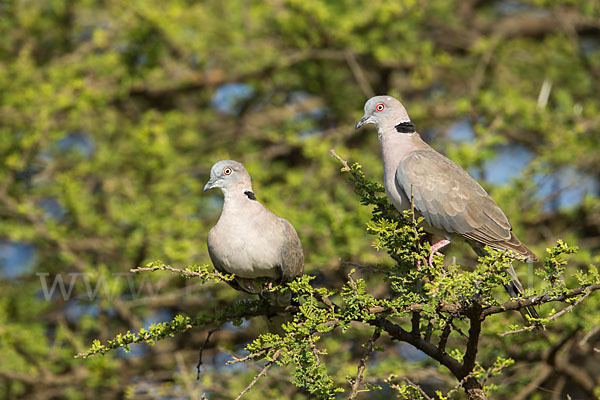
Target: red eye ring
x,y
379,107
227,171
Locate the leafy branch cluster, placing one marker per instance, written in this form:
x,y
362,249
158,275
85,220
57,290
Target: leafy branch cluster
x,y
439,310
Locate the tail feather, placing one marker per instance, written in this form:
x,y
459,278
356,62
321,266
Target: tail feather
x,y
514,287
515,290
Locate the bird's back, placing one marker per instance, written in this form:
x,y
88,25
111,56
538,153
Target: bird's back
x,y
452,201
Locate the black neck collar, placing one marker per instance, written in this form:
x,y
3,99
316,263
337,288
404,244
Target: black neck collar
x,y
250,194
406,127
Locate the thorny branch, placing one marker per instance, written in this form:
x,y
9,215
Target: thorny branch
x,y
463,371
215,275
565,310
419,389
250,356
208,335
261,373
362,364
473,340
476,313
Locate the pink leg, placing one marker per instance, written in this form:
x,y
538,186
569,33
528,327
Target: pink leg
x,y
435,248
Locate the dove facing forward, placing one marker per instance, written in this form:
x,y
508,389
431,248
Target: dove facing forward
x,y
449,199
249,241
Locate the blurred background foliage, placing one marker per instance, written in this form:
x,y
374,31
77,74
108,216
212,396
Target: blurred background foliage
x,y
112,112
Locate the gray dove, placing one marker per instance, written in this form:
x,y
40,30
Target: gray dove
x,y
451,202
249,241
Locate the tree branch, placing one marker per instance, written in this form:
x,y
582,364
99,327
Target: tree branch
x,y
215,275
535,301
587,292
208,335
396,332
473,340
260,374
362,364
419,389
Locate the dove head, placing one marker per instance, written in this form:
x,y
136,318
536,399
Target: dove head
x,y
387,114
229,175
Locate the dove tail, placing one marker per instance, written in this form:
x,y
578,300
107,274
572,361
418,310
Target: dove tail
x,y
514,287
515,290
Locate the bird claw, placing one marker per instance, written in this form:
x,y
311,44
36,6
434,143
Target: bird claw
x,y
435,248
268,286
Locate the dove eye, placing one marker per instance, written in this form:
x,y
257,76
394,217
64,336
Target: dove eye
x,y
227,171
379,107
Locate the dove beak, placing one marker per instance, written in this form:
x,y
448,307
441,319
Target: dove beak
x,y
364,120
209,185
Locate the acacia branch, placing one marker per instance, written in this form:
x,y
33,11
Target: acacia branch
x,y
186,272
397,333
444,338
587,292
419,389
208,335
250,356
260,374
473,340
535,301
362,363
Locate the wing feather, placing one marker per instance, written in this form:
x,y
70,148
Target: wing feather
x,y
292,256
451,200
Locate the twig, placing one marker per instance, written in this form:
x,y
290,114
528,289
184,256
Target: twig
x,y
358,73
208,335
314,349
565,310
176,270
396,332
250,356
199,322
340,159
457,329
419,388
444,337
362,364
534,301
260,374
458,385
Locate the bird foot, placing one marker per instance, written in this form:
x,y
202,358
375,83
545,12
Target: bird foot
x,y
249,285
268,286
435,248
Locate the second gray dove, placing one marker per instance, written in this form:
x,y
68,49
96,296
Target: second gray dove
x,y
449,199
249,241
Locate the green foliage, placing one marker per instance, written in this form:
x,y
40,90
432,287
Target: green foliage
x,y
110,123
432,289
555,265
